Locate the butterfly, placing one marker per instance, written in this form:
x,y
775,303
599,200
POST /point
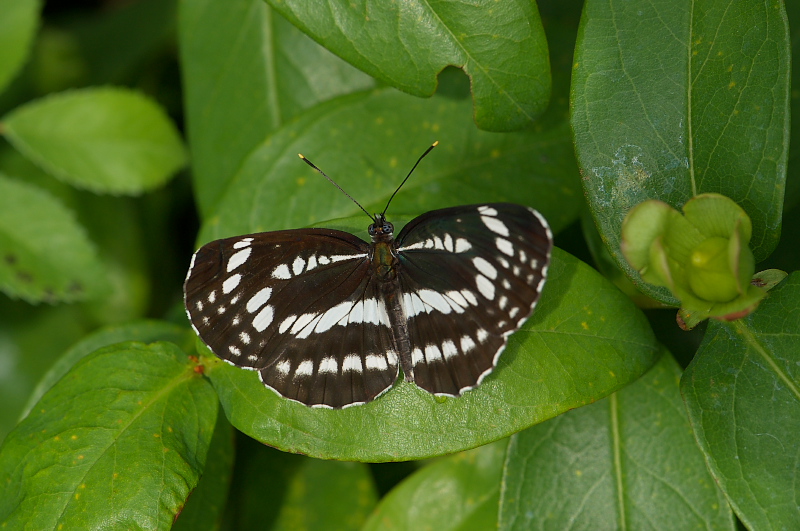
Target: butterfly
x,y
328,319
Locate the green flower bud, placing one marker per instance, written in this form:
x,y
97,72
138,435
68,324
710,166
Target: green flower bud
x,y
710,275
702,256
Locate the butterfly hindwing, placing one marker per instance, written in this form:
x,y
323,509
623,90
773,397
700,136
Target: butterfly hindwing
x,y
298,306
470,276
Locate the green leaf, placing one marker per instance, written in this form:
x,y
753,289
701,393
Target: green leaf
x,y
247,71
18,22
676,98
585,340
500,46
305,493
122,438
628,461
204,508
44,254
145,331
367,142
743,394
31,339
107,140
459,492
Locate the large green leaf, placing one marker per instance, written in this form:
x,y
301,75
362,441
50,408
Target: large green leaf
x,y
585,340
743,394
108,140
44,253
18,21
628,461
500,45
121,439
205,506
246,71
145,331
367,142
304,493
672,98
459,492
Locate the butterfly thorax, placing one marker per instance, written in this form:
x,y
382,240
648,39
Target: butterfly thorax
x,y
384,261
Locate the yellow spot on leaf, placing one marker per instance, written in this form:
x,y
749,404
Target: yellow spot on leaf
x,y
379,120
393,162
495,153
731,84
585,325
74,437
301,181
80,457
77,495
156,435
579,473
57,438
612,374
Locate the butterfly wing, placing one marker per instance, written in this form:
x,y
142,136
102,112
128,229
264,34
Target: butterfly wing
x,y
470,277
299,306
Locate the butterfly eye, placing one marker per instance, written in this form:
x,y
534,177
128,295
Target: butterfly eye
x,y
371,230
387,228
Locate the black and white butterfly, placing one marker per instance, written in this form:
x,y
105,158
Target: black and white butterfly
x,y
328,319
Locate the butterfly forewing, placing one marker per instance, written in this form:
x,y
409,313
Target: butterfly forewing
x,y
470,276
298,306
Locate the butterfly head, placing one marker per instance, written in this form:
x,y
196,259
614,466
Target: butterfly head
x,y
381,230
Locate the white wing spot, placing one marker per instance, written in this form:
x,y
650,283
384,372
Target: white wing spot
x,y
435,300
485,286
432,353
448,242
391,355
428,244
487,210
306,368
241,244
199,306
324,260
437,243
458,298
503,262
282,272
417,356
283,367
302,321
505,246
333,316
352,363
411,247
502,302
376,362
513,312
258,300
221,310
298,265
462,245
212,297
506,284
286,324
470,297
235,350
495,225
342,257
264,318
449,349
238,258
329,366
534,263
244,337
483,265
312,262
412,304
307,330
467,344
481,334
230,283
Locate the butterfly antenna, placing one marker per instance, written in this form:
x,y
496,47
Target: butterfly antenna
x,y
409,175
336,185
